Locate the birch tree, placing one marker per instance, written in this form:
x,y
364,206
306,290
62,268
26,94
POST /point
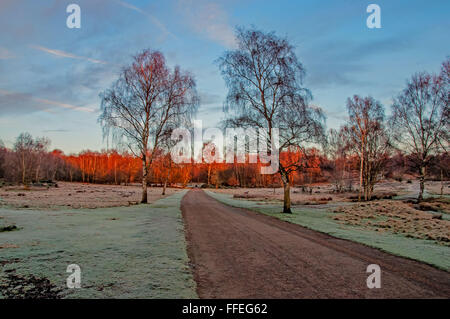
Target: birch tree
x,y
147,100
264,79
369,140
420,119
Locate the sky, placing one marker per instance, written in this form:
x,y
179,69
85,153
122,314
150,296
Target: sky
x,y
51,76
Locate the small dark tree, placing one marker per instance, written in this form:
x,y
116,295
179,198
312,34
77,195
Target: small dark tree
x,y
337,150
41,146
23,149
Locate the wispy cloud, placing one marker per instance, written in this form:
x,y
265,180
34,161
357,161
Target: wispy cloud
x,y
56,131
152,18
64,54
25,97
210,20
65,105
5,54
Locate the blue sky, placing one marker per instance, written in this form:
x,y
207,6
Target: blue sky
x,y
51,76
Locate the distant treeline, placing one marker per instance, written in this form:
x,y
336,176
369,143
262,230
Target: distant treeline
x,y
30,161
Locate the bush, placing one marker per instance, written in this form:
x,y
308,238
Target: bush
x,y
8,228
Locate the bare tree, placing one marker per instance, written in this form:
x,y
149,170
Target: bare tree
x,y
420,119
379,148
368,139
23,148
337,149
40,150
147,99
264,78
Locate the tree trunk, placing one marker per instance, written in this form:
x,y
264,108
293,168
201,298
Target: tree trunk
x,y
287,199
287,194
343,177
209,175
38,171
144,179
115,172
370,191
164,188
23,170
361,177
367,180
165,183
442,183
422,182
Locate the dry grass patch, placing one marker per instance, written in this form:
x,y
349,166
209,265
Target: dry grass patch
x,y
435,205
77,195
313,201
396,217
3,246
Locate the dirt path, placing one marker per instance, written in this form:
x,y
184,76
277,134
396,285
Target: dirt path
x,y
237,253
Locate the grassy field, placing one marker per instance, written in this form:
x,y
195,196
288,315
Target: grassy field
x,y
77,195
124,252
321,219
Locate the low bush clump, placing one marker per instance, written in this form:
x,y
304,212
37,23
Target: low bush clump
x,y
8,228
